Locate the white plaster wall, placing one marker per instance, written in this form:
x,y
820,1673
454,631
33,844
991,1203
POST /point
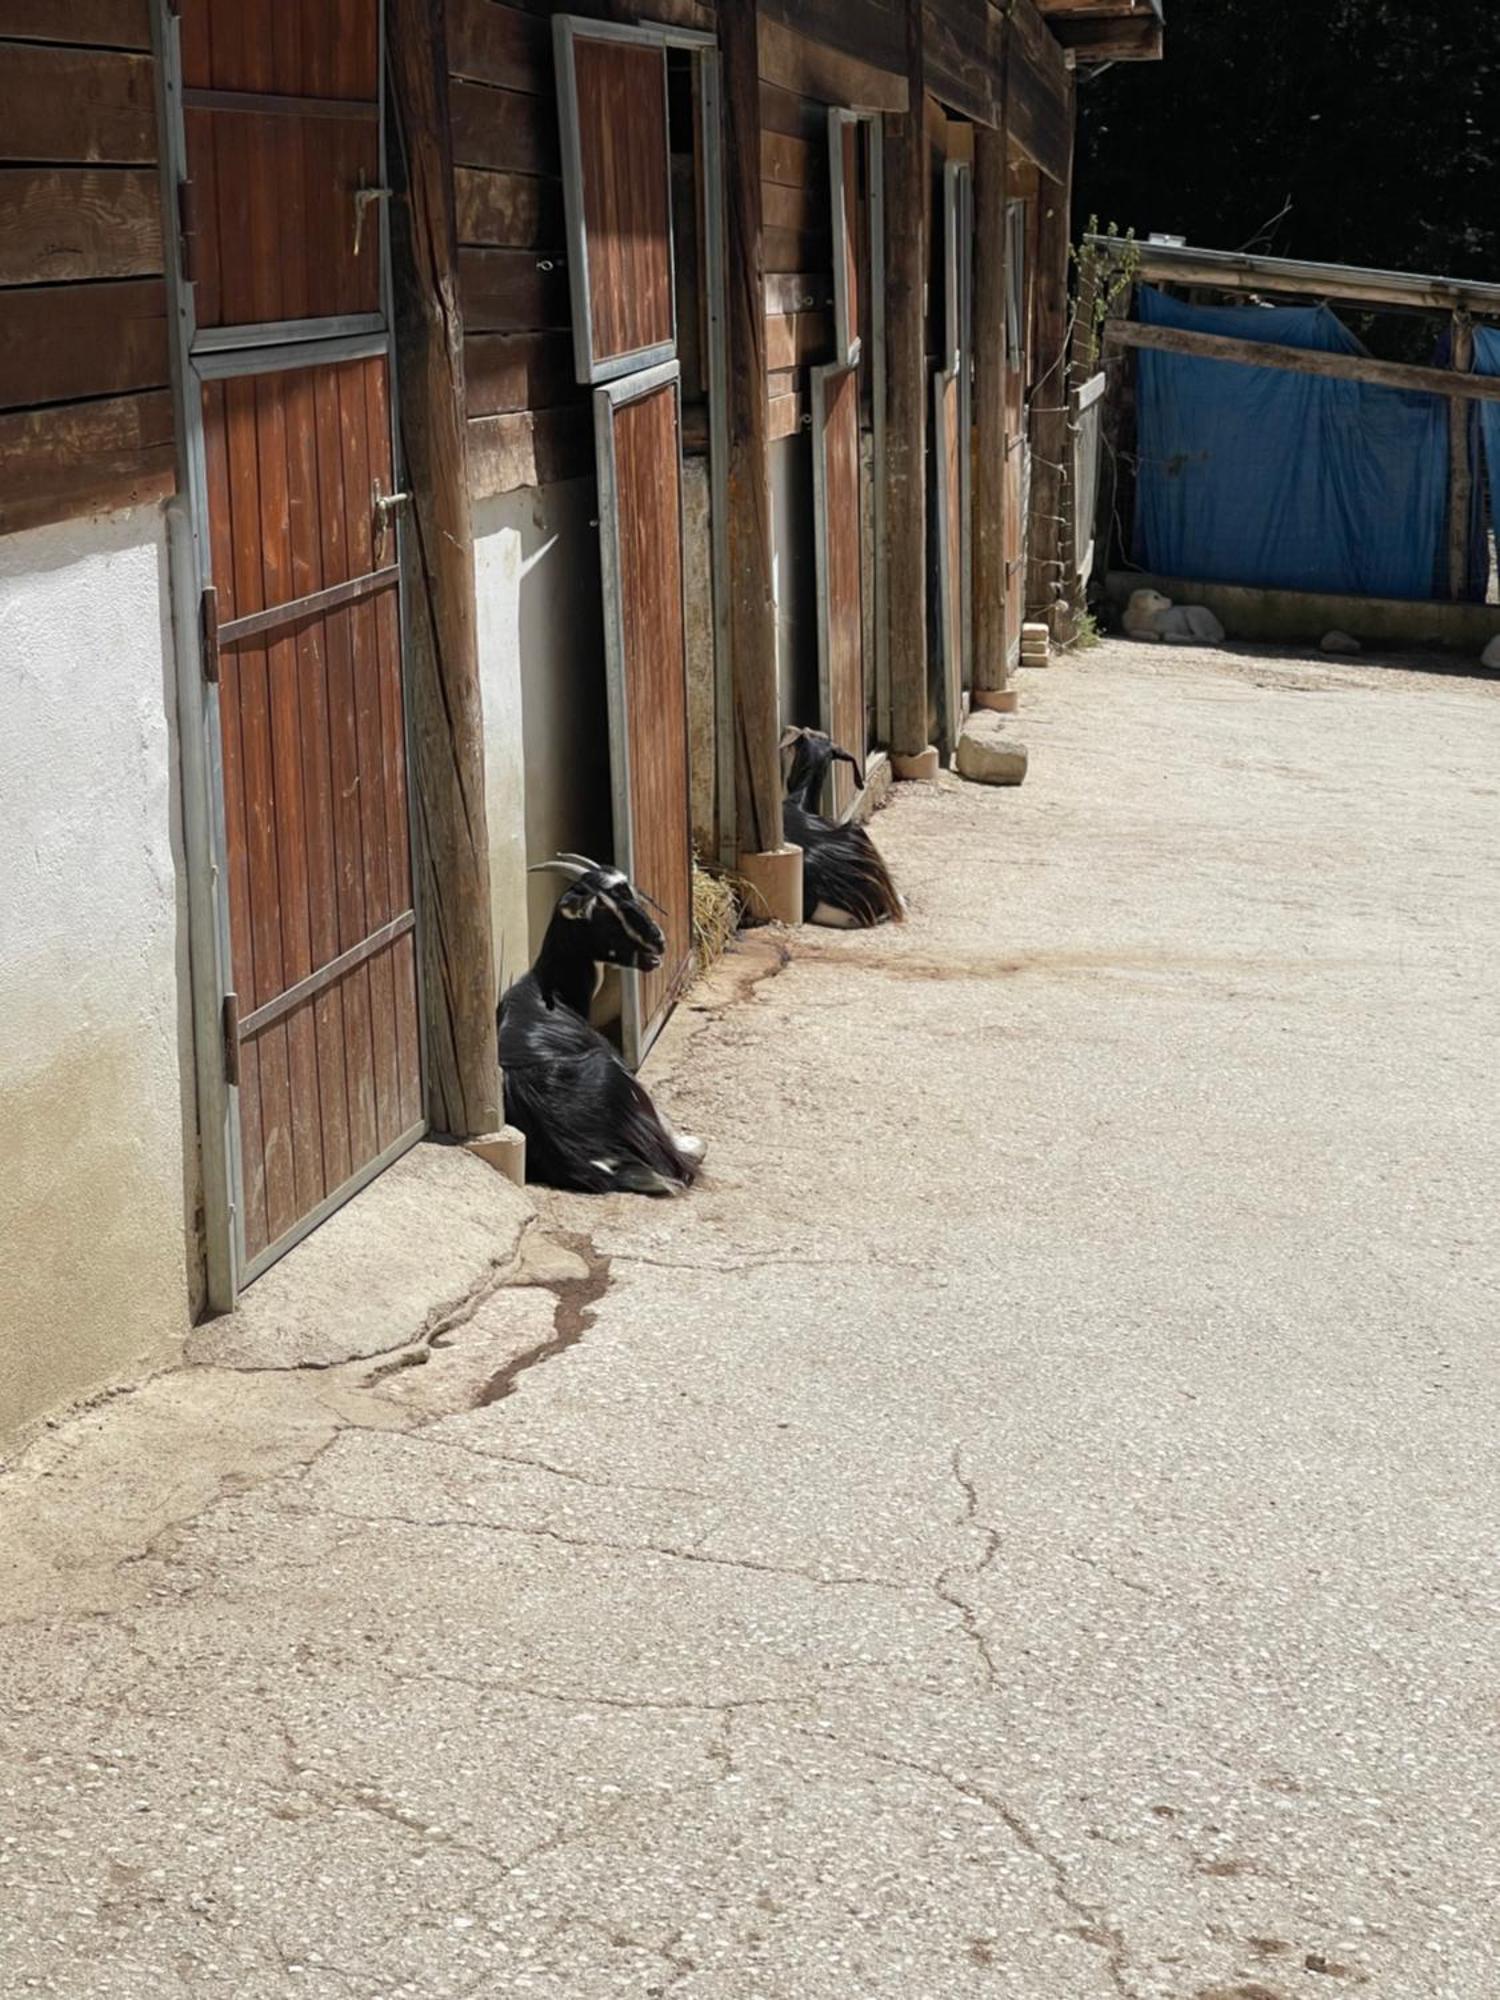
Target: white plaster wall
x,y
95,1027
541,668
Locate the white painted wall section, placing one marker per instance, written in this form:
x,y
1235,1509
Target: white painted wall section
x,y
96,1055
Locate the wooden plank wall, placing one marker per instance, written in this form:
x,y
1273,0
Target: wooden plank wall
x,y
798,249
85,412
529,421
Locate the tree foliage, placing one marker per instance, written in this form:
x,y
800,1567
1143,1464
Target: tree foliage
x,y
1375,125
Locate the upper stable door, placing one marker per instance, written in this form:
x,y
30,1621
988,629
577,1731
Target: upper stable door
x,y
617,187
285,352
838,510
952,432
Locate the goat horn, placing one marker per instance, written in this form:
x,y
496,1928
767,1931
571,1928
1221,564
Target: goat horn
x,y
582,860
647,897
563,865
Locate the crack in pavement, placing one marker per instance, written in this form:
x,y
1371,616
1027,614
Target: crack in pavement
x,y
1092,1925
944,1586
590,1542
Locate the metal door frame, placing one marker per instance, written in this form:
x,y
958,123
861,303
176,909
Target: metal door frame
x,y
566,30
218,354
636,1034
956,361
818,379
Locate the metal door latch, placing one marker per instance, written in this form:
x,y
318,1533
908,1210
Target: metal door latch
x,y
383,505
362,200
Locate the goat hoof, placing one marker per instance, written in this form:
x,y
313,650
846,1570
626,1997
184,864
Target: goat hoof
x,y
833,918
691,1148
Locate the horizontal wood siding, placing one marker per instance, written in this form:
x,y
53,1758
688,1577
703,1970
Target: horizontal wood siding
x,y
529,420
1038,114
85,418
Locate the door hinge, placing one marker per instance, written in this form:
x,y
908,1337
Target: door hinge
x,y
208,632
232,1038
187,229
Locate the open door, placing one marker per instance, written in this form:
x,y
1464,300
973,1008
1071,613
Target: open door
x,y
1017,450
284,374
836,514
951,444
612,100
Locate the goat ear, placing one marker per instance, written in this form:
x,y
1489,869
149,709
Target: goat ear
x,y
579,911
847,757
791,736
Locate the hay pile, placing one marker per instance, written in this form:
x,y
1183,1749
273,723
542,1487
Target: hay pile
x,y
716,917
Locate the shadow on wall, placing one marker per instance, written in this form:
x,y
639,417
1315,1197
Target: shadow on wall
x,y
541,651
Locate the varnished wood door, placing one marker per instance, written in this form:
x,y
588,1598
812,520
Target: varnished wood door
x,y
289,387
1017,475
837,529
612,105
951,444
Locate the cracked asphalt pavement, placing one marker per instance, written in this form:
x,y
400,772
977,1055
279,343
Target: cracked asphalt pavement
x,y
1024,1527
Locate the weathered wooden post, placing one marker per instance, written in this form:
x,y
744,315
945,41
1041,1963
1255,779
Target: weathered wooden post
x,y
1049,429
906,204
773,870
991,243
1460,469
447,729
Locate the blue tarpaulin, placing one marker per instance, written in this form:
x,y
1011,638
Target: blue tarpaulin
x,y
1487,362
1260,476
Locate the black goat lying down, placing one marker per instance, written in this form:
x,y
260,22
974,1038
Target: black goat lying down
x,y
844,881
589,1125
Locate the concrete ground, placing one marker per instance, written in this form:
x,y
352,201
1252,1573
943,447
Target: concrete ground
x,y
1025,1527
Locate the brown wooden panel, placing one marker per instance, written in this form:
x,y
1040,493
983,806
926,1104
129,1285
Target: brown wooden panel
x,y
785,415
625,195
75,105
518,371
55,463
509,211
1038,104
58,223
798,291
874,30
962,45
794,249
946,448
529,448
654,665
806,64
840,620
313,745
492,43
275,216
800,208
508,129
98,24
788,162
60,343
507,291
789,112
795,338
287,48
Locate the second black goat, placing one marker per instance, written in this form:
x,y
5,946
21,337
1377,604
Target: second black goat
x,y
589,1124
844,881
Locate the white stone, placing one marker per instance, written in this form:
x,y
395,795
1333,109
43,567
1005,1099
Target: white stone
x,y
986,755
1340,642
1490,657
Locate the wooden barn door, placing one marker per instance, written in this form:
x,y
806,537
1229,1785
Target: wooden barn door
x,y
951,444
612,100
286,350
837,493
1017,451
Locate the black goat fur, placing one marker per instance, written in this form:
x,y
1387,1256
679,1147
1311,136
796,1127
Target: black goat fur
x,y
841,865
589,1125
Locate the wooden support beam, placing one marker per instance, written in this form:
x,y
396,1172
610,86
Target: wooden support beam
x,y
752,610
1240,271
1460,467
447,732
991,642
906,208
1049,400
1301,360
